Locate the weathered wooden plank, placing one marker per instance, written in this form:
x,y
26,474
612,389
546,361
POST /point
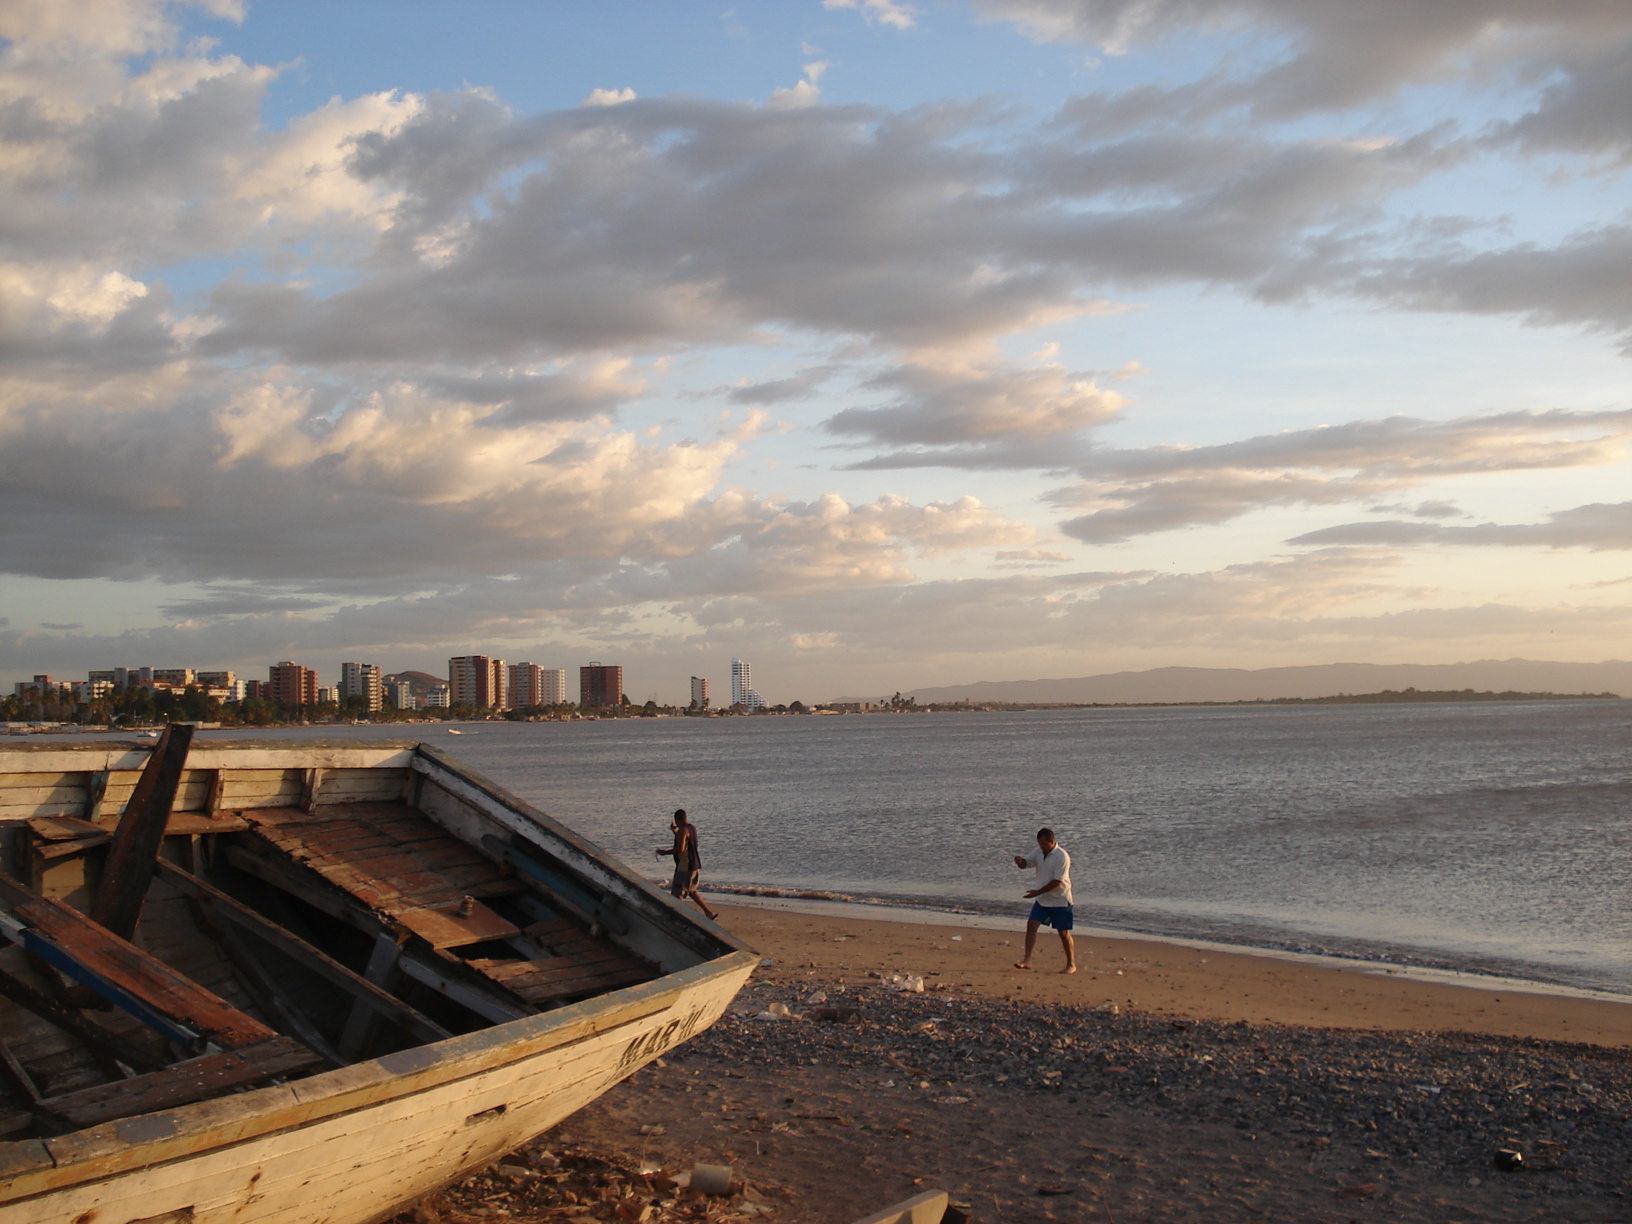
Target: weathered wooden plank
x,y
550,991
63,828
108,1045
503,971
271,993
189,1081
453,930
381,972
54,796
48,778
926,1208
227,909
66,849
128,969
16,1076
129,866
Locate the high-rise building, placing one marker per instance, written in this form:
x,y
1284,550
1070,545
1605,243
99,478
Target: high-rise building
x,y
699,693
438,698
553,682
400,693
178,677
362,680
742,686
291,684
479,681
526,685
599,686
215,679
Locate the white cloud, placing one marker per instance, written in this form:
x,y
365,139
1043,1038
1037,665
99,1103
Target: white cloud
x,y
609,97
894,13
806,93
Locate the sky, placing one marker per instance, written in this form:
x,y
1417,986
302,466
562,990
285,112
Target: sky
x,y
882,344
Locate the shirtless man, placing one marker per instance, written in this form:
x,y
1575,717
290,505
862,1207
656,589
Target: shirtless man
x,y
688,863
1051,899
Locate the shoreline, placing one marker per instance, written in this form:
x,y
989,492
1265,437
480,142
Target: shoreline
x,y
831,1092
973,956
925,916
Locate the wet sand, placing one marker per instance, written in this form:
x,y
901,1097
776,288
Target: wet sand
x,y
1168,978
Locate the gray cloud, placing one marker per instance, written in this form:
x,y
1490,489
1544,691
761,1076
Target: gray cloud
x,y
798,386
1137,492
1597,527
1435,509
1336,54
952,404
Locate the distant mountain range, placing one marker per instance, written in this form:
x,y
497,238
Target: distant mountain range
x,y
1324,680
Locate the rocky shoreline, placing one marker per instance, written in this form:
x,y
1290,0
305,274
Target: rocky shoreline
x,y
1053,1111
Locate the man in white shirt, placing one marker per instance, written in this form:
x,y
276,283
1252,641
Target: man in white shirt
x,y
1051,899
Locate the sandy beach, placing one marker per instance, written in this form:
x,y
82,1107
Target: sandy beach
x,y
1160,1083
1170,978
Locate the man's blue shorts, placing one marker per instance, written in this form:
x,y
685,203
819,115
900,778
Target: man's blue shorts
x,y
1059,917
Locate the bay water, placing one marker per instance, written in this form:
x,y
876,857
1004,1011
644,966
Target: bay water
x,y
1488,837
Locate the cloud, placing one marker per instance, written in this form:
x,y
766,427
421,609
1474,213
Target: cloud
x,y
609,97
1598,527
1029,558
958,403
798,386
228,601
1427,509
806,93
1586,279
894,13
1137,492
1331,54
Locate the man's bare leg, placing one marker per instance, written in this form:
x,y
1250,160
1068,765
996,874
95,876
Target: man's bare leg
x,y
1070,952
1031,942
698,897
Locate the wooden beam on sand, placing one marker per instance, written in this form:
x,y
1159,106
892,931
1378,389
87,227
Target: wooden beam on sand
x,y
135,848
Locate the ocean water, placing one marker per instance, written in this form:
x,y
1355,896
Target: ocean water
x,y
1492,837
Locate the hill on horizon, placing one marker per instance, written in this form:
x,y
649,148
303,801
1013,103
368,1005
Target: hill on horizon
x,y
419,682
1181,684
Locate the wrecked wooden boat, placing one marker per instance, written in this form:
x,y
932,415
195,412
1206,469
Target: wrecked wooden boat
x,y
308,983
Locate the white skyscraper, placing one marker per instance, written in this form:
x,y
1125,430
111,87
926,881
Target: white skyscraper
x,y
554,686
362,680
742,686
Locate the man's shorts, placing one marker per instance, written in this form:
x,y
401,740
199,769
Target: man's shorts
x,y
1059,917
684,883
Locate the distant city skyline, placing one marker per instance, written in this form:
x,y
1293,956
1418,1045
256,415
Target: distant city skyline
x,y
887,344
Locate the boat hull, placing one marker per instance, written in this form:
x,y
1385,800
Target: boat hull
x,y
356,1145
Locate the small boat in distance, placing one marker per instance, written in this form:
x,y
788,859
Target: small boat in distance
x,y
308,982
455,731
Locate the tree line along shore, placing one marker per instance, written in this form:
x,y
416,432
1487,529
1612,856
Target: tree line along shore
x,y
140,707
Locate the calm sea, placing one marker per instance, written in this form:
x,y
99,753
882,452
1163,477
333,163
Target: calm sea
x,y
1493,838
